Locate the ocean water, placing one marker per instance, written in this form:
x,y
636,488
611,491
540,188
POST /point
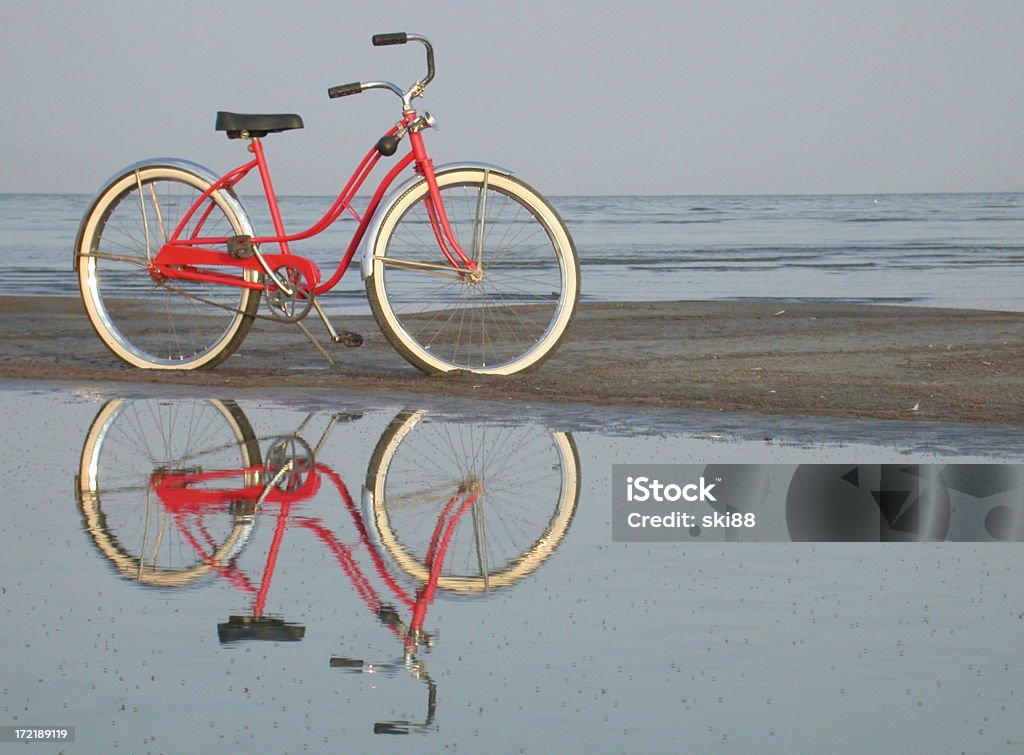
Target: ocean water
x,y
937,250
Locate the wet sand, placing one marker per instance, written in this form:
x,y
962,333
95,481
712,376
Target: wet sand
x,y
836,360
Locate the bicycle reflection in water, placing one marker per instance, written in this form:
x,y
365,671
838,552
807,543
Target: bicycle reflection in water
x,y
172,491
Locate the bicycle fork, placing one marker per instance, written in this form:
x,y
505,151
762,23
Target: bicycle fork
x,y
439,223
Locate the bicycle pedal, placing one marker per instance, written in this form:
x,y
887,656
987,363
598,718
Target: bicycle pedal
x,y
348,416
338,661
348,338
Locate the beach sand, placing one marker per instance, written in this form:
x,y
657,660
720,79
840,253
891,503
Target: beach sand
x,y
837,360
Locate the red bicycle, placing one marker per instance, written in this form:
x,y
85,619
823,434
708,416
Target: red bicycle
x,y
465,266
172,492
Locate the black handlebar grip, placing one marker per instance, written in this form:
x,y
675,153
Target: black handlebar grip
x,y
343,90
396,38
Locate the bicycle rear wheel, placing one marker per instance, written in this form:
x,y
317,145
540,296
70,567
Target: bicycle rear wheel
x,y
150,323
507,319
130,443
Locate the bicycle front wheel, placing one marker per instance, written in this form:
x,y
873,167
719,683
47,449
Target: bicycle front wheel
x,y
507,317
522,481
149,322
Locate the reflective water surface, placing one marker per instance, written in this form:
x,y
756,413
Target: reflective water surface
x,y
180,573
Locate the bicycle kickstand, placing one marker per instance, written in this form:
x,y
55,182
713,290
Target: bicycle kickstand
x,y
347,338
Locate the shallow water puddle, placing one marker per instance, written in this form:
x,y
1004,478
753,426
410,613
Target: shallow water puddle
x,y
185,573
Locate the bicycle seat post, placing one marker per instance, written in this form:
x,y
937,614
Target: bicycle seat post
x,y
256,147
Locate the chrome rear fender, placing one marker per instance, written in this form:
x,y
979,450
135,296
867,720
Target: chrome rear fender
x,y
196,169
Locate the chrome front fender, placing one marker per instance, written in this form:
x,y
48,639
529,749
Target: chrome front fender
x,y
366,256
196,169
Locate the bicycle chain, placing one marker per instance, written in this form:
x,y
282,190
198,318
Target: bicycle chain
x,y
236,310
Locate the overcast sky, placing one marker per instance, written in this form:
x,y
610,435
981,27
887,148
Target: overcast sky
x,y
640,97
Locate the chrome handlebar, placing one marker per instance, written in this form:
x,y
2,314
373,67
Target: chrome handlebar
x,y
407,95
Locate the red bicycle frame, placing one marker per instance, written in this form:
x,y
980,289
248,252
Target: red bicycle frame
x,y
183,495
188,254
